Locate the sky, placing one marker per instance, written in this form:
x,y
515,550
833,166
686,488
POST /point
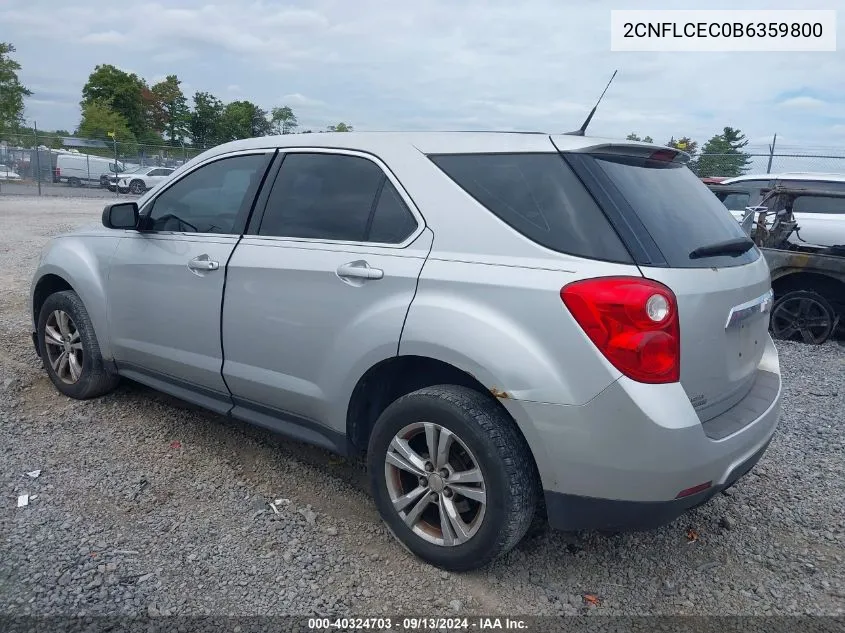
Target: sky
x,y
434,64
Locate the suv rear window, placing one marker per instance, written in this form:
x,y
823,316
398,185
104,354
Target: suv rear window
x,y
677,211
539,196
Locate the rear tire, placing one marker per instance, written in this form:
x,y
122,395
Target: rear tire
x,y
69,349
484,477
803,315
74,182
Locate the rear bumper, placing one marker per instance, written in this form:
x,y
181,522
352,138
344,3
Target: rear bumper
x,y
620,460
571,512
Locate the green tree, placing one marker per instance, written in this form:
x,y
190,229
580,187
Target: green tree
x,y
173,115
12,91
283,120
99,119
633,137
340,127
243,119
206,119
685,144
123,92
723,155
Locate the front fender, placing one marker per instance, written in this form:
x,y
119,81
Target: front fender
x,y
82,262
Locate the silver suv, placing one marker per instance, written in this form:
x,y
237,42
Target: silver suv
x,y
505,324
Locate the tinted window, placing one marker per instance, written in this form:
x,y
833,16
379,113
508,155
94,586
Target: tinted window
x,y
392,221
824,185
818,204
209,199
735,201
539,196
322,196
677,210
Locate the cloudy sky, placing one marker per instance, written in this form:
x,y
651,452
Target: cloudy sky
x,y
434,64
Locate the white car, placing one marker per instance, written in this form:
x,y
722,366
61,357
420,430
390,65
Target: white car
x,y
8,174
141,179
821,221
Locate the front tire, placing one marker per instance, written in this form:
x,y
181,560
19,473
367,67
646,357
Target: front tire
x,y
803,315
137,187
452,476
69,349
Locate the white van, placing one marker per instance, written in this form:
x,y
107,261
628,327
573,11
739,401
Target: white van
x,y
78,169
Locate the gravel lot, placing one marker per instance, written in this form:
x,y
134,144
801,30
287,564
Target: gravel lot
x,y
147,505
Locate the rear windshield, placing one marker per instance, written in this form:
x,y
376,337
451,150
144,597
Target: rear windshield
x,y
539,196
675,208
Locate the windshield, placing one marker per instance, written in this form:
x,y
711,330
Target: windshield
x,y
675,208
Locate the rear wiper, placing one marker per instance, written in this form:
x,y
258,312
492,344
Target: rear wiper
x,y
736,246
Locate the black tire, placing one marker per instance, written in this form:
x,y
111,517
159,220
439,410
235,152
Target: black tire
x,y
803,315
94,379
506,463
74,182
137,187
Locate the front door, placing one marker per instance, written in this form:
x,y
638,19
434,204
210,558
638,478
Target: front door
x,y
166,280
318,291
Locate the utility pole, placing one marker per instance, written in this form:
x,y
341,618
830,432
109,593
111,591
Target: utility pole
x,y
114,138
771,154
37,155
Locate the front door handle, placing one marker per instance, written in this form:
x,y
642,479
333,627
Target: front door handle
x,y
359,270
202,262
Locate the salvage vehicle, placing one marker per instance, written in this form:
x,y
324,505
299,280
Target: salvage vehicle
x,y
808,280
822,219
507,325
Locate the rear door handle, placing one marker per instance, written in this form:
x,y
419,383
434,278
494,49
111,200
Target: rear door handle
x,y
359,270
202,262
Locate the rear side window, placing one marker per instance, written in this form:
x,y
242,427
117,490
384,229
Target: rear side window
x,y
539,196
735,201
335,197
675,208
818,204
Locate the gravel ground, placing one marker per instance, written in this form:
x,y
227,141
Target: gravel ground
x,y
145,505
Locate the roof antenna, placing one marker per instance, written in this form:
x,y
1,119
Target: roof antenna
x,y
580,131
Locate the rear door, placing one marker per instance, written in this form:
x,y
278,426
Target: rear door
x,y
318,290
665,214
821,220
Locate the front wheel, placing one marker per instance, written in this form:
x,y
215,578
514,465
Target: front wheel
x,y
69,349
452,476
137,187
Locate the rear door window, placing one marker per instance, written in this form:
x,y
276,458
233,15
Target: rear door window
x,y
539,196
678,212
818,204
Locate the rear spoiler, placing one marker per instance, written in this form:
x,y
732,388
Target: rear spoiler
x,y
639,150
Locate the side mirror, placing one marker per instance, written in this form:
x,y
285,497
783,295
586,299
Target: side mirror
x,y
121,215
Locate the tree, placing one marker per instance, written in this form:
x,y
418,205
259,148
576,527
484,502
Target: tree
x,y
723,155
123,92
205,120
99,118
243,119
283,120
340,127
633,137
172,114
685,144
12,91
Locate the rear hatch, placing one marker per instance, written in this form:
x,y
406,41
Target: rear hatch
x,y
680,235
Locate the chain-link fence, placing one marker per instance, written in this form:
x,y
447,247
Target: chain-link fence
x,y
73,166
58,165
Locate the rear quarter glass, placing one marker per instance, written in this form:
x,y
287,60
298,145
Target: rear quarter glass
x,y
678,211
539,196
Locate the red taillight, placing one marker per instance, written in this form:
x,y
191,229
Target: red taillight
x,y
667,155
633,322
694,490
58,172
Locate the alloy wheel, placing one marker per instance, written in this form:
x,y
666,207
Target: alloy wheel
x,y
802,316
63,346
435,484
